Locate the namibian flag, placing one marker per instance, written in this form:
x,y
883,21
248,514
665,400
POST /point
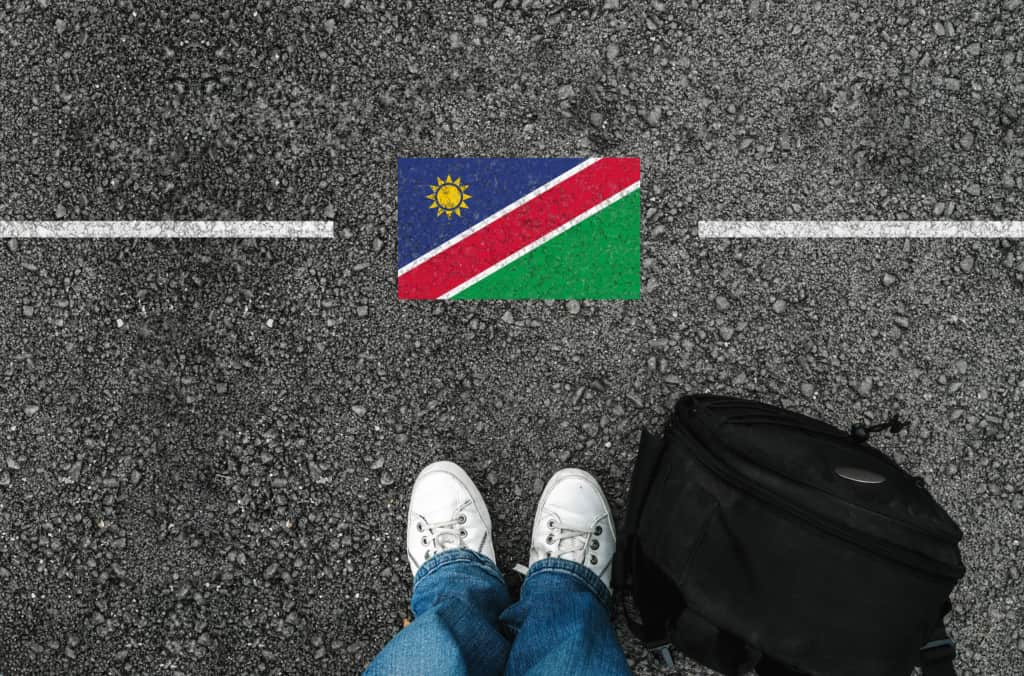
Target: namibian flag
x,y
519,228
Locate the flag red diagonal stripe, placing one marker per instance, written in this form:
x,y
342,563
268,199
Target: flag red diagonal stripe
x,y
518,228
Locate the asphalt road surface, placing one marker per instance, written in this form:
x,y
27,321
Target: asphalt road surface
x,y
207,445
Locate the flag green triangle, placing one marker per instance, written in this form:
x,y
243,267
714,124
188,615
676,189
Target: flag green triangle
x,y
597,258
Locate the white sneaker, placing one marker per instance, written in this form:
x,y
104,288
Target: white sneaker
x,y
574,522
446,511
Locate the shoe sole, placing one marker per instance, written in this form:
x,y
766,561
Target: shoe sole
x,y
460,474
581,474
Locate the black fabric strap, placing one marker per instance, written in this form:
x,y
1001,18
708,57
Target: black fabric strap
x,y
628,550
938,653
643,473
711,646
647,460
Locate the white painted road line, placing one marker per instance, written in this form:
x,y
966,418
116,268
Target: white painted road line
x,y
166,229
865,229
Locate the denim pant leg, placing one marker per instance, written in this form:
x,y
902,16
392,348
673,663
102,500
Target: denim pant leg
x,y
562,624
457,597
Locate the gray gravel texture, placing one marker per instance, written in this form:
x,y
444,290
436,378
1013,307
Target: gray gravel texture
x,y
207,445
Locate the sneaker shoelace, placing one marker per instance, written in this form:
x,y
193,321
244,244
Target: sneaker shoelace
x,y
439,536
581,539
572,543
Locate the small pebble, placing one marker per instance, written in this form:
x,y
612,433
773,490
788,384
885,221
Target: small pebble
x,y
726,332
807,390
865,387
573,306
888,279
507,317
902,322
722,303
779,306
967,263
31,410
653,116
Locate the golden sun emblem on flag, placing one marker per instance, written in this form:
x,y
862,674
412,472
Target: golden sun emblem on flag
x,y
449,196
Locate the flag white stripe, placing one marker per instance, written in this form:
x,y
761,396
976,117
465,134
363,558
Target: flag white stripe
x,y
498,214
536,243
166,229
860,229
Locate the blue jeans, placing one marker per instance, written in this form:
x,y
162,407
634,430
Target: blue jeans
x,y
467,624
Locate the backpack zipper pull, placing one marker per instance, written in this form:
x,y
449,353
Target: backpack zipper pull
x,y
861,432
664,652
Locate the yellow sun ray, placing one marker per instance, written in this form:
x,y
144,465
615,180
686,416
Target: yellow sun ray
x,y
449,196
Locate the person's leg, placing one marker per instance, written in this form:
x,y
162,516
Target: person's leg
x,y
458,591
562,621
456,600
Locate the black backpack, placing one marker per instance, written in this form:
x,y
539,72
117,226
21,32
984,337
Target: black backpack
x,y
760,539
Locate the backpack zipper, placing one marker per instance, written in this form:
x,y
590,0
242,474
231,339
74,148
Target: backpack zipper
x,y
772,414
822,429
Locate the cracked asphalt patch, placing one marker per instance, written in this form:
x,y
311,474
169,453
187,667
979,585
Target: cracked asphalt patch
x,y
207,445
